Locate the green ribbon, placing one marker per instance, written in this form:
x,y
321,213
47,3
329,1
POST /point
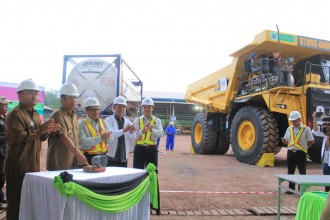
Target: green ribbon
x,y
153,185
311,205
111,204
65,189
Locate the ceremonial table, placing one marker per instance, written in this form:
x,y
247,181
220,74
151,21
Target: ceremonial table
x,y
40,200
304,181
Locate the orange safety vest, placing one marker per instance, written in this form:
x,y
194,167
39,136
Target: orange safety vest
x,y
295,141
146,137
100,147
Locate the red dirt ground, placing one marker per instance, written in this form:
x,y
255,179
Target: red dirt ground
x,y
179,170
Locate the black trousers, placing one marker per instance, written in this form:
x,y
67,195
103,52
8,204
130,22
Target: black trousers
x,y
145,155
2,178
116,164
89,157
296,159
142,157
13,193
326,171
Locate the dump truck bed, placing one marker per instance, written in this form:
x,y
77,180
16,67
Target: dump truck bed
x,y
216,91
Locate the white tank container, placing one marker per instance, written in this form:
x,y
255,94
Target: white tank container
x,y
100,79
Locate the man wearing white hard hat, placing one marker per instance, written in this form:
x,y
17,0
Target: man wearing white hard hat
x,y
24,134
149,128
63,146
317,131
94,132
123,133
298,138
317,121
321,128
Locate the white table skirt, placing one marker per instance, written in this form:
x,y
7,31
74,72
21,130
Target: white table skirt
x,y
40,200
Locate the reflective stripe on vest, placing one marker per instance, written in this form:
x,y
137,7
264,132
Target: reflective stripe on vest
x,y
295,141
145,138
100,147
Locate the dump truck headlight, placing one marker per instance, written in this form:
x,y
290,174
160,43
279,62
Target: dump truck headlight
x,y
280,106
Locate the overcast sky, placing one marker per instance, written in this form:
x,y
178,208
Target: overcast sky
x,y
168,43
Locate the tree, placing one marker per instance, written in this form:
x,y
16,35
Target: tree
x,y
52,99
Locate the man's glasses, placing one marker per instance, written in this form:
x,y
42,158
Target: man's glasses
x,y
294,121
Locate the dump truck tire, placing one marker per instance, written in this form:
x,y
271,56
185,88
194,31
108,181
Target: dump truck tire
x,y
254,131
223,143
314,152
203,135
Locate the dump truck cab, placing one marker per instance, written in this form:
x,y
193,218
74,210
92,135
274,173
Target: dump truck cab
x,y
247,103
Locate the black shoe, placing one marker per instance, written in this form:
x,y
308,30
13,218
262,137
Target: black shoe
x,y
288,192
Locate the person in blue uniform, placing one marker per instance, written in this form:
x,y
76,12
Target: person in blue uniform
x,y
170,133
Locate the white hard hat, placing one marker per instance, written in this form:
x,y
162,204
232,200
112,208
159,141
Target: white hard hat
x,y
120,100
28,84
69,89
171,123
294,115
147,101
89,102
319,109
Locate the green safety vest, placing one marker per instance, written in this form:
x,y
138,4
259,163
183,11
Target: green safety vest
x,y
100,147
146,137
295,141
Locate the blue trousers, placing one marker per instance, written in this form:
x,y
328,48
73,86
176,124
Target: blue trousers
x,y
169,142
326,171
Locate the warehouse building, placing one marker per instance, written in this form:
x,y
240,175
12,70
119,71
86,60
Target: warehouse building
x,y
171,106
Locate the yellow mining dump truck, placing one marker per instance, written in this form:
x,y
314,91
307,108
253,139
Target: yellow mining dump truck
x,y
247,103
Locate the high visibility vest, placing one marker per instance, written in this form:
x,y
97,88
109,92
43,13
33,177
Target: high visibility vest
x,y
146,137
295,141
100,147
